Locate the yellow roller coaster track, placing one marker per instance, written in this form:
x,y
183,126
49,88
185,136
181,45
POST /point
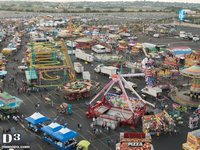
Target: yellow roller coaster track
x,y
67,62
42,67
48,77
49,85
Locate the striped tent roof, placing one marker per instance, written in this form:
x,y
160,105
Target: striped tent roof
x,y
193,71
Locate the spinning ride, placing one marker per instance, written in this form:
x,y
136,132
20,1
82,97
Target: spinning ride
x,y
74,89
189,97
115,109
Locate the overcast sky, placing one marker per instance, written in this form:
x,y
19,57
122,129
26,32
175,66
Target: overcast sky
x,y
186,1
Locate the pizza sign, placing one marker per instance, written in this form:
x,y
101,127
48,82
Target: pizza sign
x,y
135,144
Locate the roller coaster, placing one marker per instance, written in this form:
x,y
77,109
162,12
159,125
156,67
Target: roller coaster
x,y
47,59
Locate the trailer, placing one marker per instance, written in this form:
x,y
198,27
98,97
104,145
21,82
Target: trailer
x,y
86,75
108,70
78,67
153,91
83,56
182,34
156,35
100,49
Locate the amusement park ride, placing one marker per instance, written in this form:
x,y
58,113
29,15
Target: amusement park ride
x,y
191,96
74,89
115,109
44,63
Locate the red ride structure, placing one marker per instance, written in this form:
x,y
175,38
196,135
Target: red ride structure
x,y
107,109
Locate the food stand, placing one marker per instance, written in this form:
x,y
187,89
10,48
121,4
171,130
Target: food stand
x,y
134,141
155,124
8,103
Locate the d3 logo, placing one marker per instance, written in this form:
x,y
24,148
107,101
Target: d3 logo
x,y
8,138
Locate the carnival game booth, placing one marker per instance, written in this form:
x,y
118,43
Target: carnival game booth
x,y
192,59
122,45
158,123
8,103
193,141
171,62
84,43
61,137
36,121
113,110
31,76
134,141
135,48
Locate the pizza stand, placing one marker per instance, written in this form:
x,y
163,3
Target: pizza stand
x,y
134,141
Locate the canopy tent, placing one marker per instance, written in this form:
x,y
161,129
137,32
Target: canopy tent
x,y
51,128
84,40
37,118
1,104
181,51
9,102
71,44
31,74
3,73
64,134
148,45
193,71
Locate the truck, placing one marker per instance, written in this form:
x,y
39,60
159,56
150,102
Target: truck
x,y
107,70
182,34
78,67
86,75
22,68
100,49
153,91
83,56
195,38
156,35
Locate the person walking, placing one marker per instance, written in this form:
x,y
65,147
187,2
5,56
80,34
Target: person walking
x,y
79,126
92,125
37,106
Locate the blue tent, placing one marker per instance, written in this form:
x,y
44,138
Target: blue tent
x,y
181,51
3,73
64,134
51,128
1,104
37,118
